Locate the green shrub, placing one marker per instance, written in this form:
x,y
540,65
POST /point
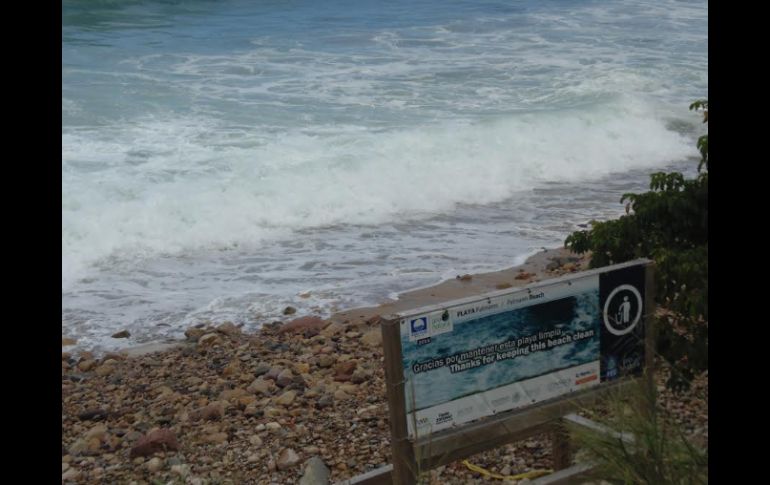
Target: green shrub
x,y
668,224
658,452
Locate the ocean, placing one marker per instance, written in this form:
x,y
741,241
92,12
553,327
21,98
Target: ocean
x,y
222,160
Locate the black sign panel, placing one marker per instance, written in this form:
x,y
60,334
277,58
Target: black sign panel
x,y
621,296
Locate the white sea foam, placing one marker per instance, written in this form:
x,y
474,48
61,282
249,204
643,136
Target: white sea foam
x,y
164,186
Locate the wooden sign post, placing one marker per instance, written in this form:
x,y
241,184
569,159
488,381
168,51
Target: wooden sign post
x,y
477,373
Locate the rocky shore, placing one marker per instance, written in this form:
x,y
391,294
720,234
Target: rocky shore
x,y
300,401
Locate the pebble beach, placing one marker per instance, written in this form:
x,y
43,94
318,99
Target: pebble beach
x,y
302,400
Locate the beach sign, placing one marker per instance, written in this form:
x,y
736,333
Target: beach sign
x,y
510,351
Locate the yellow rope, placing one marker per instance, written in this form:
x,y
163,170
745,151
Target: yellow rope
x,y
520,476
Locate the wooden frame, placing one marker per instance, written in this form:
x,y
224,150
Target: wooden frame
x,y
414,456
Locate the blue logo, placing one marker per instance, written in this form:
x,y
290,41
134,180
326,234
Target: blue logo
x,y
419,325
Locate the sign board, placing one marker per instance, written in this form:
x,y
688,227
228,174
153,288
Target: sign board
x,y
507,350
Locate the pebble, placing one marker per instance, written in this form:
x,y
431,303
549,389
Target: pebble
x,y
260,386
181,470
286,398
372,338
70,474
316,472
284,378
255,440
154,465
208,340
215,438
86,365
154,441
287,459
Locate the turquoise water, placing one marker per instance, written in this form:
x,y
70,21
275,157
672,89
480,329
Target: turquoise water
x,y
222,160
580,313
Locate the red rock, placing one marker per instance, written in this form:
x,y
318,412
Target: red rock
x,y
344,370
158,440
211,412
302,324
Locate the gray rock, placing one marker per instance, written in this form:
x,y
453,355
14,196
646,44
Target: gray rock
x,y
261,369
286,398
193,334
229,329
287,459
284,378
316,473
93,415
70,474
289,310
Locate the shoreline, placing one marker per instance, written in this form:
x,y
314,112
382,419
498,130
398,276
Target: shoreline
x,y
226,407
463,286
542,265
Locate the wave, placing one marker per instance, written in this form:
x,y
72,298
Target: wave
x,y
164,186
